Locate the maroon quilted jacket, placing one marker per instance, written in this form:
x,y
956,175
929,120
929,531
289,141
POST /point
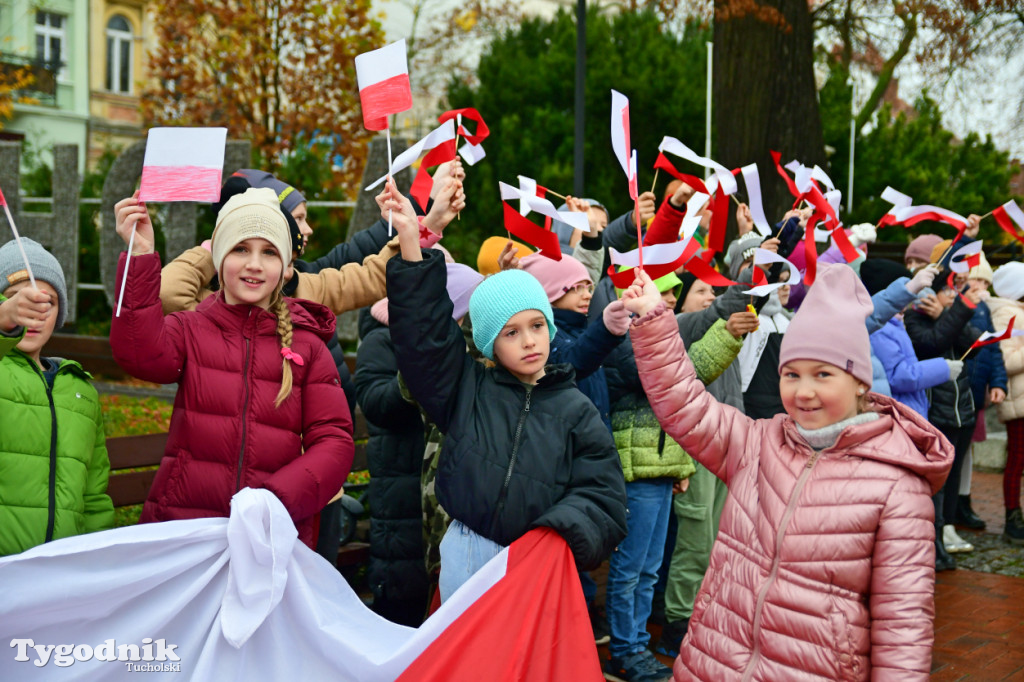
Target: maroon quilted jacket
x,y
824,564
225,432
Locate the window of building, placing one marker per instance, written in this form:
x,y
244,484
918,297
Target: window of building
x,y
50,41
119,55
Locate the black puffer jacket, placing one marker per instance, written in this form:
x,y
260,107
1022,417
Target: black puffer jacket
x,y
949,337
394,453
515,457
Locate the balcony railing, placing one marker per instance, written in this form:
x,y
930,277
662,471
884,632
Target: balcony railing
x,y
44,75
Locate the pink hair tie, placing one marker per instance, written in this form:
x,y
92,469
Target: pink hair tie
x,y
289,354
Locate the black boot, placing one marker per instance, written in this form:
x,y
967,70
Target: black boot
x,y
943,560
672,638
965,515
1013,532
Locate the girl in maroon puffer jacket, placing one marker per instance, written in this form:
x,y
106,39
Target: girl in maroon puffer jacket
x,y
824,565
259,402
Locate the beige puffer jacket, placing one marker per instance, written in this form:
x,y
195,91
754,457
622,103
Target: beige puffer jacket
x,y
824,565
185,281
1002,310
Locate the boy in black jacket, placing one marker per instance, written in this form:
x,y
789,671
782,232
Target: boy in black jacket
x,y
523,448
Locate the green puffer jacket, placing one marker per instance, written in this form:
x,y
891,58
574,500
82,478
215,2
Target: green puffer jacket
x,y
51,486
644,449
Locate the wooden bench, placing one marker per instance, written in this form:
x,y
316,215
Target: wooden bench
x,y
134,461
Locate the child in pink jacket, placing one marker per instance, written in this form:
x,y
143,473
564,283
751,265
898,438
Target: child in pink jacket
x,y
824,565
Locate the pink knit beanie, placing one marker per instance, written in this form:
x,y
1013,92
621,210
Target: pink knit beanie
x,y
921,247
556,276
830,325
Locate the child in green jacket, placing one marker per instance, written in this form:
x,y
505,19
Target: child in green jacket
x,y
53,455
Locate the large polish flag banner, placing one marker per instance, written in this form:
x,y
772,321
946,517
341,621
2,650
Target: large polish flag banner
x,y
183,164
243,599
383,79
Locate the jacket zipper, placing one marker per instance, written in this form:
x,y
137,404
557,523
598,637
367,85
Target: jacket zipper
x,y
956,402
52,505
245,414
515,453
773,574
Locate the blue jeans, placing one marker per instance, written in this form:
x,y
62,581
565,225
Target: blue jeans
x,y
633,569
463,553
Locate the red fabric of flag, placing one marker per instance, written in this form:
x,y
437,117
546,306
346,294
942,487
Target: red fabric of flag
x,y
421,185
531,625
1000,214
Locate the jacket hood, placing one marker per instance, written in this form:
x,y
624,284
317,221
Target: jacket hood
x,y
994,303
314,317
901,437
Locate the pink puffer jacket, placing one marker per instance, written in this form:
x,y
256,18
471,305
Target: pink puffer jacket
x,y
824,565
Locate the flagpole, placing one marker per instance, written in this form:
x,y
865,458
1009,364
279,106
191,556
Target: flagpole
x,y
853,142
387,130
707,105
21,247
124,276
458,124
655,183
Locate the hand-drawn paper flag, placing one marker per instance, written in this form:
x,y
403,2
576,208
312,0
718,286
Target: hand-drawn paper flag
x,y
383,79
183,164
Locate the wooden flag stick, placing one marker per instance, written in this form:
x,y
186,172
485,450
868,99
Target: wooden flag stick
x,y
124,277
560,196
458,124
388,131
655,183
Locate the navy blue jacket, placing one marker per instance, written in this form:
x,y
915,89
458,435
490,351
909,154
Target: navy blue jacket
x,y
985,366
585,347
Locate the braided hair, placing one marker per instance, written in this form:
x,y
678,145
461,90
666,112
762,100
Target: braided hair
x,y
284,332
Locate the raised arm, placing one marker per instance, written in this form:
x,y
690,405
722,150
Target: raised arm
x,y
714,434
429,346
905,374
350,287
185,281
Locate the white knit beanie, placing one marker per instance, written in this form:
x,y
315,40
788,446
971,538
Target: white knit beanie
x,y
255,213
1008,281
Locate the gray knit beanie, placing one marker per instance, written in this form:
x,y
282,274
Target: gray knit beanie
x,y
45,268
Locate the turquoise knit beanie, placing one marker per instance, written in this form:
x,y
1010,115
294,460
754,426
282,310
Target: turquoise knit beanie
x,y
498,298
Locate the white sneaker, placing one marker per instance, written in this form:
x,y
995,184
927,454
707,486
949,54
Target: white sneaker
x,y
953,542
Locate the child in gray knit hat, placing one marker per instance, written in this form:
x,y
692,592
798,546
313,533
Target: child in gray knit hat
x,y
52,444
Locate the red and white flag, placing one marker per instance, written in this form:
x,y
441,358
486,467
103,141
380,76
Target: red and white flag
x,y
903,212
762,287
183,164
436,137
995,337
383,79
966,257
1010,219
242,599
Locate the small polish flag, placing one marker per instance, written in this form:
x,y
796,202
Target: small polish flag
x,y
966,257
183,164
383,78
1010,219
993,337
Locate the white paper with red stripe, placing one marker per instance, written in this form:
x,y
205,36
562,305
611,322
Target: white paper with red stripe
x,y
752,179
382,76
958,262
724,175
620,130
1013,210
439,135
766,257
660,254
908,212
183,164
540,205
